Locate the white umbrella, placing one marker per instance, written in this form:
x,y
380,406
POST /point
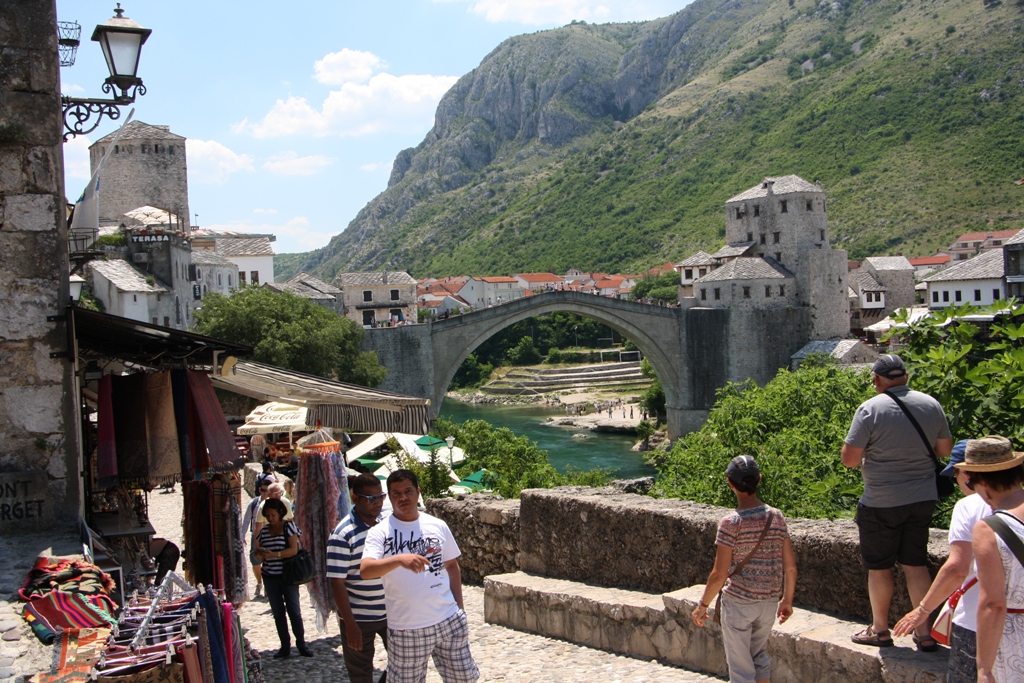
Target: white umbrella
x,y
273,417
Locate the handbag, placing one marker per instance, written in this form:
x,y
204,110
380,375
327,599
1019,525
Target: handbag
x,y
742,564
298,569
944,485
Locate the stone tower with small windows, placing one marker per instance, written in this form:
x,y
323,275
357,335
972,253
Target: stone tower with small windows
x,y
785,219
147,167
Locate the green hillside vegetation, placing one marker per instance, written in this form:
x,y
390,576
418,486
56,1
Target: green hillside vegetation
x,y
912,120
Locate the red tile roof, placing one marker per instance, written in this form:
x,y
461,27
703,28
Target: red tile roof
x,y
539,277
498,278
936,260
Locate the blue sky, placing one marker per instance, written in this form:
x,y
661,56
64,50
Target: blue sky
x,y
294,113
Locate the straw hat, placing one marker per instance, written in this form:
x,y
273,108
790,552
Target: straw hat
x,y
990,454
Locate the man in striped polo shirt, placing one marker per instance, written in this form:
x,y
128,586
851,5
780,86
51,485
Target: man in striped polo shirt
x,y
360,601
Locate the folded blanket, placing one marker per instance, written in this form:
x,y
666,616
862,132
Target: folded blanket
x,y
59,610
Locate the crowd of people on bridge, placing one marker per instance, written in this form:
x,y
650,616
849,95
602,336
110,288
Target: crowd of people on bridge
x,y
897,439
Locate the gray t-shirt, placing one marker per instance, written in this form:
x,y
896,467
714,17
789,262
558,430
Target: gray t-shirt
x,y
897,469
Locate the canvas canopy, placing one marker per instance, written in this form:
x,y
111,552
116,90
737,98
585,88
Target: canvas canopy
x,y
328,403
409,444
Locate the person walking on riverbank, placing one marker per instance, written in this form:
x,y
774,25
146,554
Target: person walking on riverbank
x,y
418,558
892,439
360,601
755,569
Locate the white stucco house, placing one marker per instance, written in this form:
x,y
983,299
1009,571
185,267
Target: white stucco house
x,y
979,281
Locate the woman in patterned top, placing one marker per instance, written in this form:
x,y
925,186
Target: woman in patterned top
x,y
755,536
276,542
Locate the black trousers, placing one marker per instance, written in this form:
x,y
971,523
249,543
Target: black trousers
x,y
166,561
284,598
360,662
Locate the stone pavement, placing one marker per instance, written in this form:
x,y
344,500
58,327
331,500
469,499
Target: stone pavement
x,y
501,653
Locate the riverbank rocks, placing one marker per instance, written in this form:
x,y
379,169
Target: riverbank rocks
x,y
486,527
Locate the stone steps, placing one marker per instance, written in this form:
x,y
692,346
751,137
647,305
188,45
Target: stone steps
x,y
542,380
809,647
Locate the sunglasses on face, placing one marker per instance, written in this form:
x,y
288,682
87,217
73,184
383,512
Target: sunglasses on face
x,y
373,499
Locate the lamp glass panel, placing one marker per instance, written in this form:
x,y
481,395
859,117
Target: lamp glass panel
x,y
123,59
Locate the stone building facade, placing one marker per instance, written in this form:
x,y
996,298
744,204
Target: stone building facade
x,y
38,416
147,166
780,226
378,297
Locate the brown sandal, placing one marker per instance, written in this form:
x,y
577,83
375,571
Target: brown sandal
x,y
925,643
869,637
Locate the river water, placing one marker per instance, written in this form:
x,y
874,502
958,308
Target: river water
x,y
600,450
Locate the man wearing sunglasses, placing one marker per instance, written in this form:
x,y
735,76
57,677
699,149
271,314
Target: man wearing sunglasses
x,y
360,601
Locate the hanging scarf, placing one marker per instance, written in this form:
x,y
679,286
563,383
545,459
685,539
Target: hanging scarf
x,y
316,515
164,466
183,424
106,447
219,450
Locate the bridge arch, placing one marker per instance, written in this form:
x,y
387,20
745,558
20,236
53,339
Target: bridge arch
x,y
653,329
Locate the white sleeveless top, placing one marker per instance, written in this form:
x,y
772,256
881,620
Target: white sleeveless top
x,y
1009,665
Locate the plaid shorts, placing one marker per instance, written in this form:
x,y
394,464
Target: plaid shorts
x,y
447,642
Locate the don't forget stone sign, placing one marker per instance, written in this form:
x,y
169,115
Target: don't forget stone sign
x,y
23,505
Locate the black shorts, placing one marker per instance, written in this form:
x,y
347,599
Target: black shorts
x,y
897,534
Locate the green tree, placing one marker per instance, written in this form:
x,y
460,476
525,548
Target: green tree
x,y
976,374
472,373
432,475
662,286
524,353
652,399
795,427
291,332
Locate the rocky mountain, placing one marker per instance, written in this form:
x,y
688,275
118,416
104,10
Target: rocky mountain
x,y
614,146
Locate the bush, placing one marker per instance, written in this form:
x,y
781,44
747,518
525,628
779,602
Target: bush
x,y
794,426
471,374
524,353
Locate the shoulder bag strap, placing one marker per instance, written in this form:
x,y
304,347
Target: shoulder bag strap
x,y
913,421
1011,539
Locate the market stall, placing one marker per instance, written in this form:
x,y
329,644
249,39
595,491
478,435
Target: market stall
x,y
151,419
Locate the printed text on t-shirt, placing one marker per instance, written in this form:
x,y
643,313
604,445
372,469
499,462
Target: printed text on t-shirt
x,y
427,546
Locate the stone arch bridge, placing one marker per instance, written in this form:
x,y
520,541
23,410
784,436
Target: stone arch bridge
x,y
693,350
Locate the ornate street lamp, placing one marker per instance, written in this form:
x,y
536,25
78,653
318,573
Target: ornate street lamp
x,y
121,40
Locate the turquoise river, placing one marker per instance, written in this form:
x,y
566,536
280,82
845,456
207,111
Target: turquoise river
x,y
599,450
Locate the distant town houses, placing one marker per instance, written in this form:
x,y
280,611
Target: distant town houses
x,y
377,298
970,244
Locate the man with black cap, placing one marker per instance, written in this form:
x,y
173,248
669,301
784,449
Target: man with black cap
x,y
895,512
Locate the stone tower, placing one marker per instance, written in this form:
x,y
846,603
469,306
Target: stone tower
x,y
785,219
146,167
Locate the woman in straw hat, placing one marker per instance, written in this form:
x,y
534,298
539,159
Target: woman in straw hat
x,y
996,474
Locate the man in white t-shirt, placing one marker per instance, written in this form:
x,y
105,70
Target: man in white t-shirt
x,y
417,557
959,573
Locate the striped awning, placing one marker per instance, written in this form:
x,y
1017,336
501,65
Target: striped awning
x,y
329,403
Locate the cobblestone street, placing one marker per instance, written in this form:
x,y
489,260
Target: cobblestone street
x,y
501,653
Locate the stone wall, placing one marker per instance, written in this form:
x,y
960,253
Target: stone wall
x,y
487,531
607,538
38,429
629,541
407,353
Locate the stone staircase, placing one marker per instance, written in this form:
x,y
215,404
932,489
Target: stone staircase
x,y
539,380
809,647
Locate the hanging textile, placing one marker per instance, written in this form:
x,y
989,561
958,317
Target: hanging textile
x,y
215,633
236,569
164,465
228,623
106,447
219,451
316,515
183,422
145,431
205,656
189,654
322,441
128,398
199,543
161,673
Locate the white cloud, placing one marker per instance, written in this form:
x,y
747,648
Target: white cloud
x,y
385,103
76,165
290,163
210,162
264,210
376,166
347,65
71,87
557,12
293,236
